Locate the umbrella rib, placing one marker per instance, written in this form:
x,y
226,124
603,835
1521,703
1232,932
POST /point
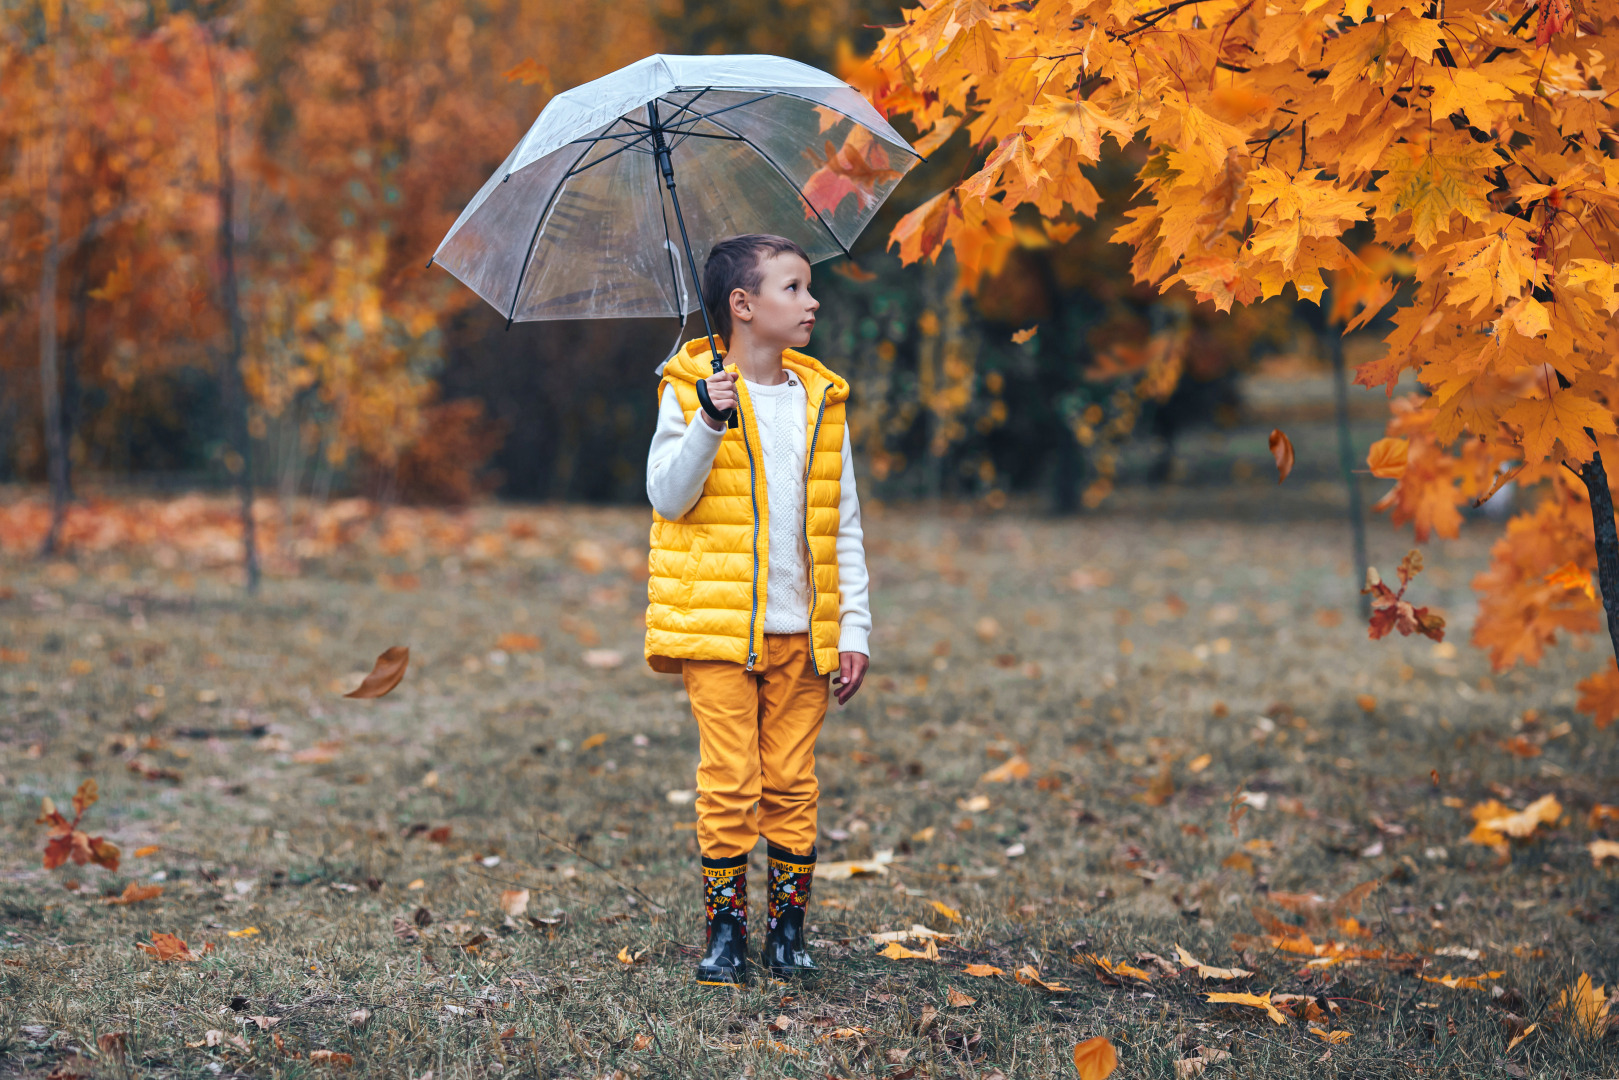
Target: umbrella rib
x,y
783,173
669,247
575,169
538,225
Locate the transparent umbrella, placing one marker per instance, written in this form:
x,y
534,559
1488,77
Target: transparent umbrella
x,y
582,219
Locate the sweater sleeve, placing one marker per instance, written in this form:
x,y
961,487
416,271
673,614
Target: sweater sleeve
x,y
854,583
681,456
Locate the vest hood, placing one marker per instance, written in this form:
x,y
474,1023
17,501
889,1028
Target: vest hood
x,y
691,364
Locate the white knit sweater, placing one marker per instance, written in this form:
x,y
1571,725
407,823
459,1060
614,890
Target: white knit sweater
x,y
680,459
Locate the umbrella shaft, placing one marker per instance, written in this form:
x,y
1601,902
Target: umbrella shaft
x,y
667,166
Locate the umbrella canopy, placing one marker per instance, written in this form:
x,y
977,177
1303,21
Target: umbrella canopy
x,y
580,222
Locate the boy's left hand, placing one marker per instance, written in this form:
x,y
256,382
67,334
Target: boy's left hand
x,y
851,672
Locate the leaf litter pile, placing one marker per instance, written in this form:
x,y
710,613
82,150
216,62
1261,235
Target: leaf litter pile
x,y
1132,793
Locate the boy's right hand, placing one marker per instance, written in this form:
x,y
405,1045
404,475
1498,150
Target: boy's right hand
x,y
722,395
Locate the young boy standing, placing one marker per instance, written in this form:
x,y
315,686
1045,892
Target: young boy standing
x,y
758,587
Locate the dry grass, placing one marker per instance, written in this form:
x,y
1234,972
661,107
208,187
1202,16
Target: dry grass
x,y
1179,635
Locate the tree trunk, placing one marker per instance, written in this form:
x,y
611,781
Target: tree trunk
x,y
1607,542
1346,463
50,385
234,393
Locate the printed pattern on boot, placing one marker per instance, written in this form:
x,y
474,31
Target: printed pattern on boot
x,y
725,903
790,878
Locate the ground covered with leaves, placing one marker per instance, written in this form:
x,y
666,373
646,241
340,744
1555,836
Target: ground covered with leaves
x,y
1103,769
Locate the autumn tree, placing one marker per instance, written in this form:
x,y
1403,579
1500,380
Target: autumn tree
x,y
1474,139
97,204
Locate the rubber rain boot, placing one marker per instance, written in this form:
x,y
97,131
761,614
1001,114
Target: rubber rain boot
x,y
725,900
789,892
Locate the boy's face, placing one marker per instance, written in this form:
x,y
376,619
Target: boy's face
x,y
782,312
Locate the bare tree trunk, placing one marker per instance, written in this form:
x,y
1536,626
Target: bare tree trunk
x,y
234,393
50,385
1607,542
1346,462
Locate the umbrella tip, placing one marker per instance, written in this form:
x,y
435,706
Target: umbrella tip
x,y
508,324
429,265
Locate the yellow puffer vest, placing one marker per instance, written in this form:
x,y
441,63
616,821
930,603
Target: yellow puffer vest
x,y
706,592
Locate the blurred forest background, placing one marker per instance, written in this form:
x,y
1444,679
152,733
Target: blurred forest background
x,y
215,218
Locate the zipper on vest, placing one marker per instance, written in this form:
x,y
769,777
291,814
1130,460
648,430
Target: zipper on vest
x,y
809,460
753,493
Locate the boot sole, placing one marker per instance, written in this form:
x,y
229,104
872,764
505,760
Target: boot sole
x,y
721,982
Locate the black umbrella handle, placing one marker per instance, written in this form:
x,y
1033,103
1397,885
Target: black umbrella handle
x,y
666,165
728,417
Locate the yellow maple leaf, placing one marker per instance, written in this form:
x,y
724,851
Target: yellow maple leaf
x,y
1254,1001
1433,185
1078,121
1562,416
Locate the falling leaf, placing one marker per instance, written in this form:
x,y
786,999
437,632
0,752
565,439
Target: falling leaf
x,y
67,841
948,912
529,72
514,902
1387,458
167,947
1254,1001
1024,335
1281,447
982,971
134,894
1095,1059
384,676
957,1000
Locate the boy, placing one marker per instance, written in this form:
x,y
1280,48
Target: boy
x,y
758,587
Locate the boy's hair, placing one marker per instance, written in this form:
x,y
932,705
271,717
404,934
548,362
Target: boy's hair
x,y
737,262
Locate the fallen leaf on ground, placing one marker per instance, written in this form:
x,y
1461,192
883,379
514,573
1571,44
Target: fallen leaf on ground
x,y
1494,822
842,871
1029,975
917,932
331,1057
1013,768
1253,1001
642,1041
1204,971
627,957
385,675
957,1000
1464,982
246,931
1521,1036
1584,1007
167,947
1333,1037
896,951
514,902
948,912
515,642
1116,971
149,849
982,971
1095,1059
134,894
1603,849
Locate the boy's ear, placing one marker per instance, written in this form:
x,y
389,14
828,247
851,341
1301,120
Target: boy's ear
x,y
741,307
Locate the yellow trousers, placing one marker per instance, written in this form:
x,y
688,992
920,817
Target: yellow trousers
x,y
758,729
